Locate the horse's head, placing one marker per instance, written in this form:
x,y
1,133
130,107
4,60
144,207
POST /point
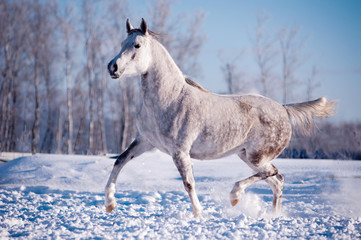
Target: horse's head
x,y
134,57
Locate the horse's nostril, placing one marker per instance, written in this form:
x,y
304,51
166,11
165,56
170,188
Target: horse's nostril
x,y
112,67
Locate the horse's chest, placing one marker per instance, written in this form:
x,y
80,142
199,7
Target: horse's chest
x,y
160,129
146,124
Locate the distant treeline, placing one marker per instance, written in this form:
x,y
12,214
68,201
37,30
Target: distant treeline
x,y
328,141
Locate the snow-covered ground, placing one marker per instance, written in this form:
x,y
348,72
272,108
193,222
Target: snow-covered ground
x,y
60,196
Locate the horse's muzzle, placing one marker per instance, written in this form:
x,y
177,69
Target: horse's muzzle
x,y
113,68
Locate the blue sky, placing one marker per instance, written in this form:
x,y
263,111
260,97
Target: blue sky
x,y
332,29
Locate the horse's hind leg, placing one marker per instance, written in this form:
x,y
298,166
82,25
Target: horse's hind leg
x,y
136,148
240,186
276,184
265,170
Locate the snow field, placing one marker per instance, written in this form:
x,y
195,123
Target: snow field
x,y
61,197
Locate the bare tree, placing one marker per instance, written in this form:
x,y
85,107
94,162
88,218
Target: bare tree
x,y
95,69
87,12
48,58
12,68
312,83
79,113
291,46
100,83
38,43
265,55
232,75
183,39
116,93
59,133
68,33
69,90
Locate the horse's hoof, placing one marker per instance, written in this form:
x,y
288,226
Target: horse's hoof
x,y
110,207
234,202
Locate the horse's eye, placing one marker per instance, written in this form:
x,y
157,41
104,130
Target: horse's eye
x,y
137,45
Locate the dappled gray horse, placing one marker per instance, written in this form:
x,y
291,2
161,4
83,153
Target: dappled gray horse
x,y
184,120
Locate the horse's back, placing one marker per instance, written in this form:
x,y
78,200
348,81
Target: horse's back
x,y
237,122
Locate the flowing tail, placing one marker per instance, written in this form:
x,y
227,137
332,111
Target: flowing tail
x,y
302,114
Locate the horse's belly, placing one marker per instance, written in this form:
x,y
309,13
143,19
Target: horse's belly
x,y
213,150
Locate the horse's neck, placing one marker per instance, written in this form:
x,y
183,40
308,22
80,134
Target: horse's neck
x,y
164,80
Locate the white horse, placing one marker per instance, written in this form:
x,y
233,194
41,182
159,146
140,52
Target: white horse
x,y
182,119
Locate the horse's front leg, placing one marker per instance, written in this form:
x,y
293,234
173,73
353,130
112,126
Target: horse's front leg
x,y
184,166
136,148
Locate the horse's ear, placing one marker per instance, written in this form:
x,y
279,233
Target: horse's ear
x,y
143,27
129,26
